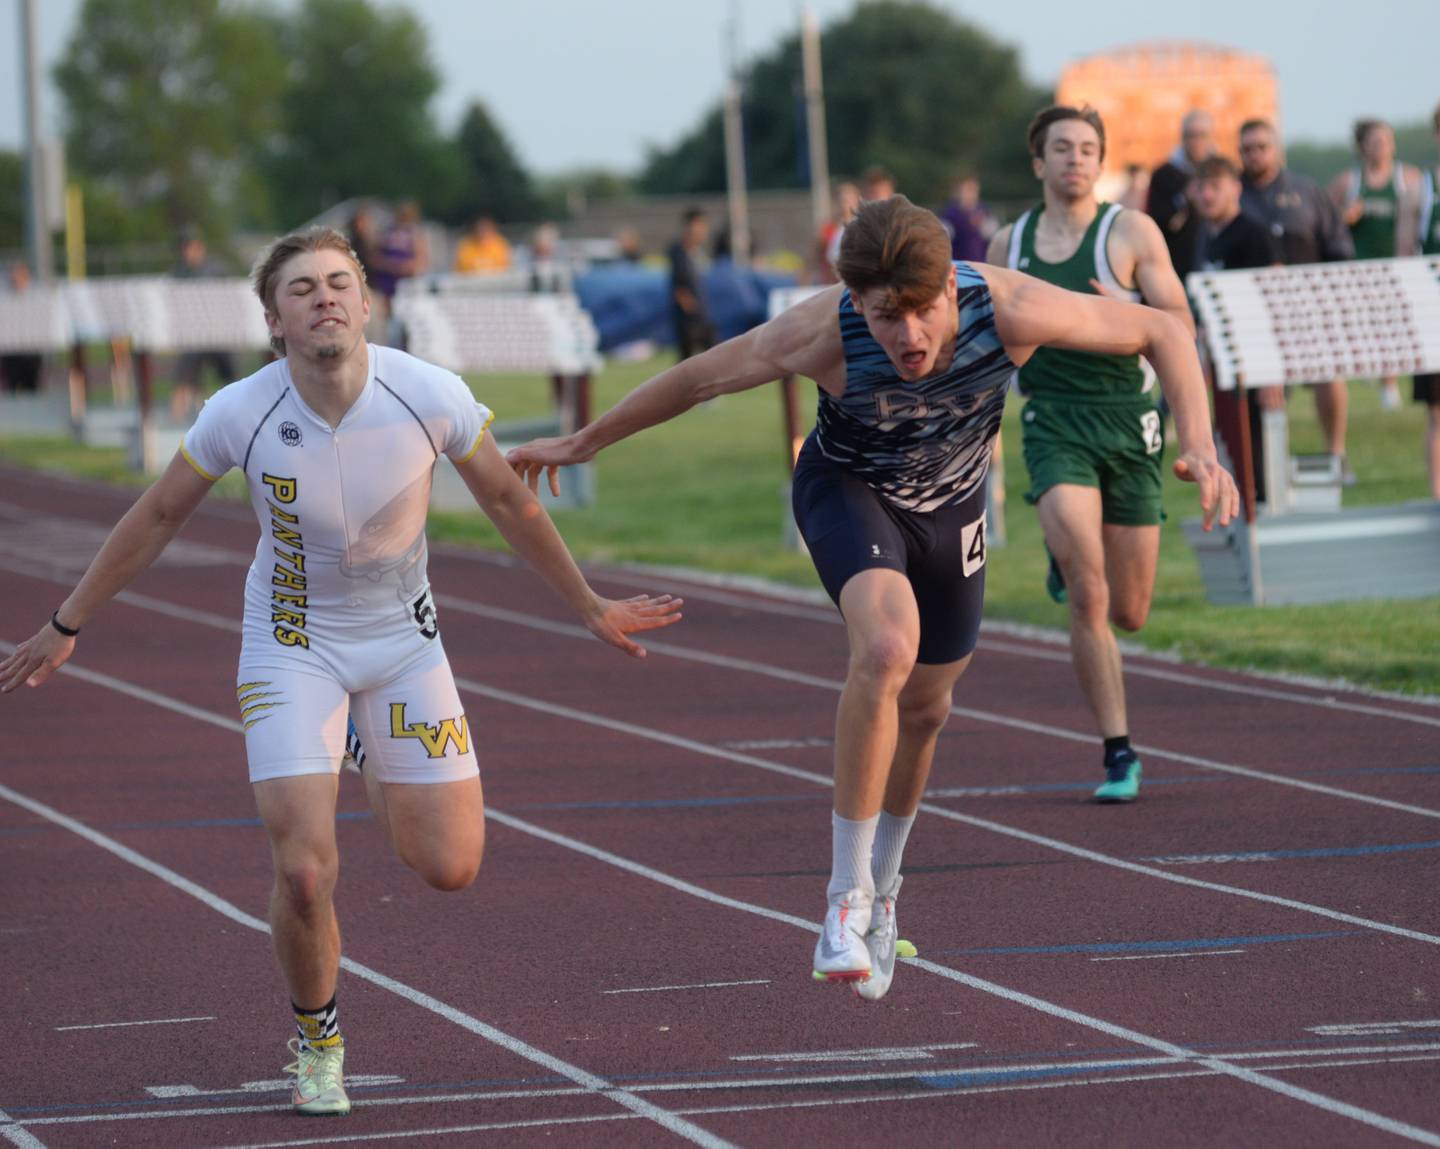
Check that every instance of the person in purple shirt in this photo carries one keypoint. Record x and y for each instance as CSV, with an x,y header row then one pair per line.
x,y
968,221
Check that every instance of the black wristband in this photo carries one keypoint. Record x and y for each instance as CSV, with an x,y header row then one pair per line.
x,y
61,627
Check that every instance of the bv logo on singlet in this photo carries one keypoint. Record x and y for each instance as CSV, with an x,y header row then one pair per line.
x,y
436,739
902,403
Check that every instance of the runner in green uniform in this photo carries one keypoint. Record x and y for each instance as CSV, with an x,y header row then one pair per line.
x,y
1377,201
1092,435
1427,387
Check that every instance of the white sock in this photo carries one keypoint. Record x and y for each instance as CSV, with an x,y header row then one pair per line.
x,y
891,833
850,847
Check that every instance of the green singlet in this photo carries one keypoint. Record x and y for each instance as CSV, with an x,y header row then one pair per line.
x,y
1429,213
1374,232
1090,420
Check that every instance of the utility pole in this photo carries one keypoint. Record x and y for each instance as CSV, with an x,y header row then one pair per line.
x,y
815,117
36,211
736,197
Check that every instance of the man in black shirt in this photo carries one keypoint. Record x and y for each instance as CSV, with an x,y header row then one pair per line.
x,y
1169,203
693,330
1231,240
1308,229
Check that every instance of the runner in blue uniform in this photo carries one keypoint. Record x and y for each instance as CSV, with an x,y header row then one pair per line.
x,y
912,354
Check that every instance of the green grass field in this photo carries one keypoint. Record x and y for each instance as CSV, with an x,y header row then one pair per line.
x,y
705,491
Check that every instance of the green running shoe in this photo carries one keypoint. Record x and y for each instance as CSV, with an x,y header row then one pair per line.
x,y
1122,782
1055,580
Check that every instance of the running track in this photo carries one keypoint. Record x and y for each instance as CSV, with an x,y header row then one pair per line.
x,y
1250,955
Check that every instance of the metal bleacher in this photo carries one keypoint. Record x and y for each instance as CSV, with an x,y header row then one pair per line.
x,y
140,317
1305,324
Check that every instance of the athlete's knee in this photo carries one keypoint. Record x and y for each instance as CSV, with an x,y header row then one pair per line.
x,y
449,869
451,875
1089,596
306,882
884,661
925,717
1129,616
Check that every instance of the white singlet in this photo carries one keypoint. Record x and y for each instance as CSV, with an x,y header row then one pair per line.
x,y
337,601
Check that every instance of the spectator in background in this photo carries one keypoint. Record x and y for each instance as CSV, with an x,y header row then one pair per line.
x,y
364,239
1169,202
484,250
1306,229
20,371
1376,200
548,272
1136,193
404,251
876,182
631,249
1230,240
827,239
1427,230
694,332
968,221
195,263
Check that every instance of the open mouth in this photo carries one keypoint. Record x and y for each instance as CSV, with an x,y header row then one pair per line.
x,y
912,360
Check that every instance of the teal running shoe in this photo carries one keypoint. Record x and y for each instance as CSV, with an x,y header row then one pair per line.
x,y
1122,782
1055,580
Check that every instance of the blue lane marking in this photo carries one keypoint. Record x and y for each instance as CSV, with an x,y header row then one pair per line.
x,y
1002,1076
1268,855
1178,946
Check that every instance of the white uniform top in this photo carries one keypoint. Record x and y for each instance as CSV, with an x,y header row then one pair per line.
x,y
339,574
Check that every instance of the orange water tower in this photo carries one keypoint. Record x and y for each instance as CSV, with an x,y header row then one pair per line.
x,y
1143,91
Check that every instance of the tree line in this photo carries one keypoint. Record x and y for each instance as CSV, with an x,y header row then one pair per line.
x,y
225,116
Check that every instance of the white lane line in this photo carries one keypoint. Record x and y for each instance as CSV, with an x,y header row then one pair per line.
x,y
1017,997
18,1135
1102,1067
704,748
882,1053
790,772
699,985
121,1024
622,1097
440,1131
1186,954
815,607
1371,1028
571,630
668,1119
797,603
749,666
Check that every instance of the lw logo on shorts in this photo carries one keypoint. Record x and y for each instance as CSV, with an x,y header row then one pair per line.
x,y
436,739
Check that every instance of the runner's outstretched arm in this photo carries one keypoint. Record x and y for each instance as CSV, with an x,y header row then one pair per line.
x,y
803,341
518,515
135,542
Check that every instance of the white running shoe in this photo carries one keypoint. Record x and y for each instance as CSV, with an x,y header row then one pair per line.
x,y
840,954
319,1086
880,941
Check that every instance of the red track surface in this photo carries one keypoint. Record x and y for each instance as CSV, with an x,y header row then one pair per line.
x,y
1246,956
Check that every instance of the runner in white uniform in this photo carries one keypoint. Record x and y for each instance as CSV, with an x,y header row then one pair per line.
x,y
337,601
337,441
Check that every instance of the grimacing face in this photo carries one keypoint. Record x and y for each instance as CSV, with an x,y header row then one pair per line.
x,y
1069,163
913,339
320,305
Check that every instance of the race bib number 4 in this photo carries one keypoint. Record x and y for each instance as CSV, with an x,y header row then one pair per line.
x,y
972,546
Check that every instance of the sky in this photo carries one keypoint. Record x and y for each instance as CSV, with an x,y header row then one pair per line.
x,y
578,84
